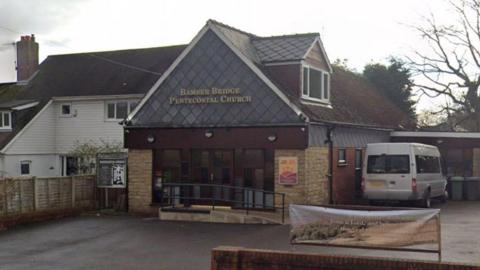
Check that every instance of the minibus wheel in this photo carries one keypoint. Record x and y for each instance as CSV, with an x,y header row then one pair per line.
x,y
426,201
444,197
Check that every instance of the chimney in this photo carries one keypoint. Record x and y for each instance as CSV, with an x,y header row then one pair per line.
x,y
27,57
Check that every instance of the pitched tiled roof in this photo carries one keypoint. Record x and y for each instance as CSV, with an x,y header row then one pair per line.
x,y
101,73
353,99
240,39
9,94
356,101
268,49
85,74
284,48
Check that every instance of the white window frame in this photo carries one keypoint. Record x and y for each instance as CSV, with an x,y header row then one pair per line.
x,y
307,96
29,162
3,127
61,110
342,162
115,118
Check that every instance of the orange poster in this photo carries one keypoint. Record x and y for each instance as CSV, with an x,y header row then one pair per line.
x,y
288,170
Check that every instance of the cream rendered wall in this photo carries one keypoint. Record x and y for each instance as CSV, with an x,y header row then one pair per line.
x,y
87,123
40,166
38,137
51,135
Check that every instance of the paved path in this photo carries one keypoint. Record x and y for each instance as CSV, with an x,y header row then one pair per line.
x,y
123,242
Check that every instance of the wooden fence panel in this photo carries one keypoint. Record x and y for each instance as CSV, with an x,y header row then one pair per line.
x,y
14,202
42,194
28,195
85,192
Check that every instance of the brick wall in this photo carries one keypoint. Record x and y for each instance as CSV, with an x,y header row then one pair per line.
x,y
344,178
476,162
312,187
140,181
234,258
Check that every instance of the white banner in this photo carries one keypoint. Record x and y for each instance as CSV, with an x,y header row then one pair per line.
x,y
382,228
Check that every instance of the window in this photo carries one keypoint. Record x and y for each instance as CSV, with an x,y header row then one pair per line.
x,y
316,84
66,110
25,167
5,122
70,165
118,110
427,164
342,157
388,164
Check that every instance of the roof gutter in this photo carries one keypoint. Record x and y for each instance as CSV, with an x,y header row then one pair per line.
x,y
97,97
329,123
216,126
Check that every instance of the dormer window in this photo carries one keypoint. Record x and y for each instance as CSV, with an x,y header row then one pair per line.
x,y
316,84
5,120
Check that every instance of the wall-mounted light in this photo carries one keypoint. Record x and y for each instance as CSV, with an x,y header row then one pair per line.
x,y
208,134
272,137
439,141
150,139
302,129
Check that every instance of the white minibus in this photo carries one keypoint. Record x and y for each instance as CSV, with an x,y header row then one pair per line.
x,y
403,172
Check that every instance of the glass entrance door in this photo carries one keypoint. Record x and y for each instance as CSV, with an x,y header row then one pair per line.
x,y
212,167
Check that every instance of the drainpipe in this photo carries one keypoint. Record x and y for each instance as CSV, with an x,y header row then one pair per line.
x,y
329,141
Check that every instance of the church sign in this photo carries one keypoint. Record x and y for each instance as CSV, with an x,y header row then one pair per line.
x,y
209,96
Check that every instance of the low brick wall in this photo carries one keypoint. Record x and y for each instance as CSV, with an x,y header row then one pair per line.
x,y
234,258
23,199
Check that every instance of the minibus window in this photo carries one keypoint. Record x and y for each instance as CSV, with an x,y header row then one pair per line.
x,y
427,164
388,164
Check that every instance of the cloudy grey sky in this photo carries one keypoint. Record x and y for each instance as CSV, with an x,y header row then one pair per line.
x,y
360,31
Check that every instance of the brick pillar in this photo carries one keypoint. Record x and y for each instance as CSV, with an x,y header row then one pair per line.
x,y
140,181
294,193
316,170
312,187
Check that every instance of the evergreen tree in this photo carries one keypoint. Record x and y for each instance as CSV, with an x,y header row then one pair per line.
x,y
394,81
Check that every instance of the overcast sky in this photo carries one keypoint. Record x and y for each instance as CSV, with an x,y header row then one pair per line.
x,y
360,31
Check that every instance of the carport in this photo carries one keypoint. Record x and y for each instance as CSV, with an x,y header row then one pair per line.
x,y
460,152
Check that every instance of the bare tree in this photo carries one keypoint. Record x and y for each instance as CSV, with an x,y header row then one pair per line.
x,y
451,68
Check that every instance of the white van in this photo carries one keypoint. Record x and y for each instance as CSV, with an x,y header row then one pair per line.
x,y
403,172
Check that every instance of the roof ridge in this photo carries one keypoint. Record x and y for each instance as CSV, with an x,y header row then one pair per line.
x,y
232,28
120,50
290,35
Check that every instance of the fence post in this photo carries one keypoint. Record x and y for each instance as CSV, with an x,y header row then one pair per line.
x,y
47,193
5,183
34,182
283,208
20,187
73,191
